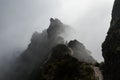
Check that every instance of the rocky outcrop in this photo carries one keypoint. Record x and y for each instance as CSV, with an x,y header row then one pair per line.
x,y
111,46
38,49
38,54
80,52
62,66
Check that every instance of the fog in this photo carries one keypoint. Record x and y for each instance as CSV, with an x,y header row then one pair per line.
x,y
20,18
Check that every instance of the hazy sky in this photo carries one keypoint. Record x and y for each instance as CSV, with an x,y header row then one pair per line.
x,y
20,18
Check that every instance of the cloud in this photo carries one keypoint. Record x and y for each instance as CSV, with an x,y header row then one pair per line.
x,y
20,18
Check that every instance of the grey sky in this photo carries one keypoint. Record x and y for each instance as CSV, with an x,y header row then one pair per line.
x,y
20,18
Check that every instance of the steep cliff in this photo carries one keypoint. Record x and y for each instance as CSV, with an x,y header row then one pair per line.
x,y
111,46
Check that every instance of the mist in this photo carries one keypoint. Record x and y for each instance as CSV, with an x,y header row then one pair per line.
x,y
19,19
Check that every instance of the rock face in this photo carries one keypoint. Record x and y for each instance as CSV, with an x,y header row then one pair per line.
x,y
62,66
111,46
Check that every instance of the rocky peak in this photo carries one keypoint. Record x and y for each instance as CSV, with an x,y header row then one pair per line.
x,y
56,28
80,52
75,44
49,48
55,20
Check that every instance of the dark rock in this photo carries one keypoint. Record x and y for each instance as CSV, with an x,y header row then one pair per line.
x,y
56,28
62,66
111,45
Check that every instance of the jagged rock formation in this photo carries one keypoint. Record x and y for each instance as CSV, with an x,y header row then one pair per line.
x,y
111,46
62,66
38,49
38,54
80,52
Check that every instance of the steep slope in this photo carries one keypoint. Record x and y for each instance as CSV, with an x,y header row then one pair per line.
x,y
111,46
62,66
